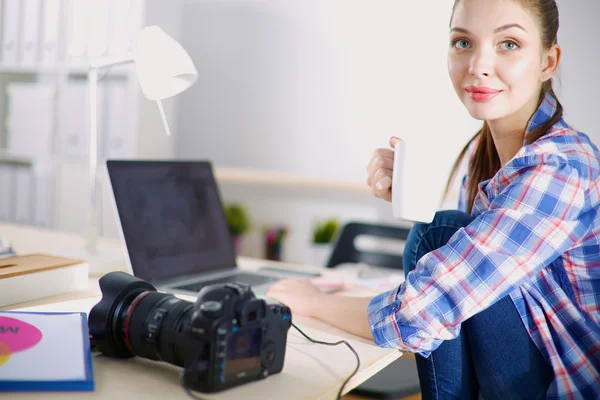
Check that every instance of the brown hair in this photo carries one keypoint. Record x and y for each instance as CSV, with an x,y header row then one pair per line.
x,y
485,161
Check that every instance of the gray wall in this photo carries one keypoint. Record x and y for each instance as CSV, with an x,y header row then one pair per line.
x,y
579,83
312,87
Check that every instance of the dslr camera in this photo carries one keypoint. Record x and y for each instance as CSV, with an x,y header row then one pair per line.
x,y
226,338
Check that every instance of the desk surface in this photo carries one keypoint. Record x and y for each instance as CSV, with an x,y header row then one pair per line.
x,y
310,371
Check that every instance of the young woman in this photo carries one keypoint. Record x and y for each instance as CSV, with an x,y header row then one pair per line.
x,y
502,297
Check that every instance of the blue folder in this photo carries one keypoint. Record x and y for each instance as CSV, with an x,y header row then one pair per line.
x,y
85,384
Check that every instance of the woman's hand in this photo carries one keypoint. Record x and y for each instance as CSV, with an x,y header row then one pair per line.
x,y
379,171
298,294
343,312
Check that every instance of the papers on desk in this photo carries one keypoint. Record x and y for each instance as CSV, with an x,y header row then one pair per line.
x,y
379,284
45,351
367,276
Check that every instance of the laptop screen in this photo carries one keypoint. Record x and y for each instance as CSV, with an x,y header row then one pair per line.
x,y
172,218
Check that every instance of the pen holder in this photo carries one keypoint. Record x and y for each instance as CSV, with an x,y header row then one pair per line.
x,y
273,242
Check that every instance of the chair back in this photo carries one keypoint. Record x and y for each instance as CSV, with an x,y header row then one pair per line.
x,y
345,250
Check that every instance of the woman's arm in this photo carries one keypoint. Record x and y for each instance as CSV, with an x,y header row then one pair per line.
x,y
343,312
347,313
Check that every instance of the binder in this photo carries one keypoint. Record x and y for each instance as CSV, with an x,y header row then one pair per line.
x,y
72,197
49,43
98,33
73,122
23,195
30,33
7,192
73,115
117,142
119,40
11,22
42,194
30,119
135,22
76,37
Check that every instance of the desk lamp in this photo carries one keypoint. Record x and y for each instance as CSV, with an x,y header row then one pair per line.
x,y
164,69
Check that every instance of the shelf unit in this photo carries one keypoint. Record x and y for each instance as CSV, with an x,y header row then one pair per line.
x,y
56,25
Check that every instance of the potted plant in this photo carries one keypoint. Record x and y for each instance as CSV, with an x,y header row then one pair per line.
x,y
323,235
238,223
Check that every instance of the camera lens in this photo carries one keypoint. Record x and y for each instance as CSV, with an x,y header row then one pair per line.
x,y
133,319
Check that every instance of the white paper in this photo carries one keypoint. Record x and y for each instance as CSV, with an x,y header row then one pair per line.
x,y
58,356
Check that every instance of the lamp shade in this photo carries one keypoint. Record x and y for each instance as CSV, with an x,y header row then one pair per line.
x,y
164,69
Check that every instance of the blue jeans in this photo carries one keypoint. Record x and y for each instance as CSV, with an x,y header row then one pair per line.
x,y
493,354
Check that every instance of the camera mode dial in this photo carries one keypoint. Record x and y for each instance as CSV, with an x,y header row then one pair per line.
x,y
212,309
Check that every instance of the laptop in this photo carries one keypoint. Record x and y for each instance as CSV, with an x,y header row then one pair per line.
x,y
173,223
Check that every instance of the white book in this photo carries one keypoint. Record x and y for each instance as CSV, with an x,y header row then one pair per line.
x,y
73,122
7,192
49,41
30,43
119,25
11,21
98,28
23,192
35,276
117,141
30,119
77,32
42,194
72,197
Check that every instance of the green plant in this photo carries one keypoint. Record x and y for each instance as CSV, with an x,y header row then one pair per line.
x,y
237,218
325,231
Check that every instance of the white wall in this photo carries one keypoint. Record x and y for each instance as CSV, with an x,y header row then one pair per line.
x,y
312,87
579,83
306,88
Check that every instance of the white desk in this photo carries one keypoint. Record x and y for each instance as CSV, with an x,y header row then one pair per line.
x,y
310,371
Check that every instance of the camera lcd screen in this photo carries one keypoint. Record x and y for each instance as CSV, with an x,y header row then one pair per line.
x,y
243,353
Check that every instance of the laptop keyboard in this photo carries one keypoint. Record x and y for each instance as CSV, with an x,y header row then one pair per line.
x,y
249,279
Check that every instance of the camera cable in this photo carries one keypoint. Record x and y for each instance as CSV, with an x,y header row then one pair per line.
x,y
339,395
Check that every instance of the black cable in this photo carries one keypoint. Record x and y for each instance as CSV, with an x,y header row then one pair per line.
x,y
188,391
339,396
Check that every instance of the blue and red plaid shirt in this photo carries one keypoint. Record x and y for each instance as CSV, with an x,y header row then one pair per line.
x,y
535,238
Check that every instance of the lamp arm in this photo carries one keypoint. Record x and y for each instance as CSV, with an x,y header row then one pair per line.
x,y
110,61
163,117
95,65
92,233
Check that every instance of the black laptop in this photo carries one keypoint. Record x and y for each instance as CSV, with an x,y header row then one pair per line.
x,y
174,226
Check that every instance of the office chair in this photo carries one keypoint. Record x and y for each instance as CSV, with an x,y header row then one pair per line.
x,y
400,378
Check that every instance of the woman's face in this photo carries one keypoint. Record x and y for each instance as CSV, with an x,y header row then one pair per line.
x,y
495,57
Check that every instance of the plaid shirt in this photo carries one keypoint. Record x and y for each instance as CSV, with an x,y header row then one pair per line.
x,y
536,238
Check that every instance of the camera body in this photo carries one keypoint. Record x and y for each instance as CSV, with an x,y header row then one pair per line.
x,y
245,338
226,338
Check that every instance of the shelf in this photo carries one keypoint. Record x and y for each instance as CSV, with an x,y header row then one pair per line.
x,y
243,176
280,179
64,70
8,158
